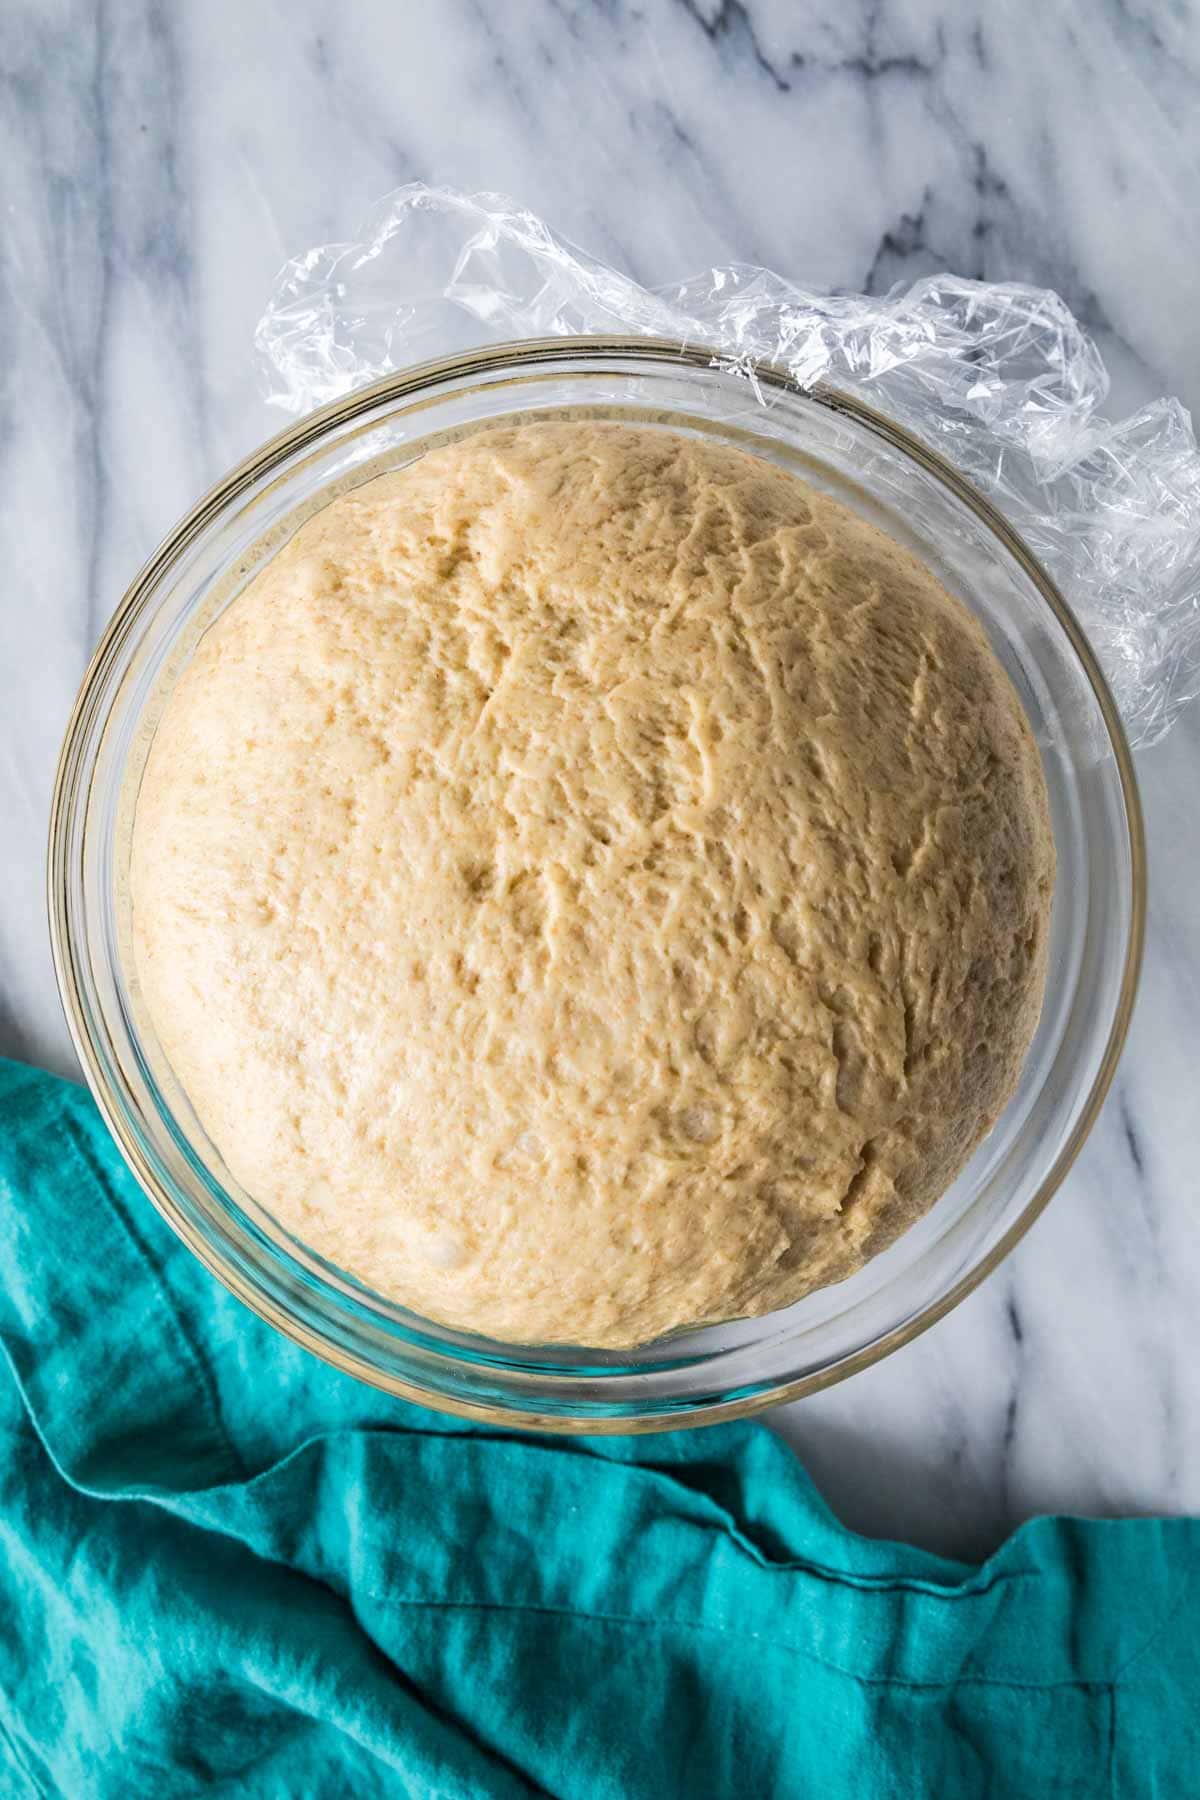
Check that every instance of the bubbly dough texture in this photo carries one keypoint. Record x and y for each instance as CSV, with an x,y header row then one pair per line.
x,y
591,883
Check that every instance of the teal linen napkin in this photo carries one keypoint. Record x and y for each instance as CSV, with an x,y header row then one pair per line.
x,y
225,1569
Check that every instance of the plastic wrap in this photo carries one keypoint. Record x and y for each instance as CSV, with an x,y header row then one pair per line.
x,y
1000,378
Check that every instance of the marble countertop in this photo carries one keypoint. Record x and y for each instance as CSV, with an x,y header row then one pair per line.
x,y
161,162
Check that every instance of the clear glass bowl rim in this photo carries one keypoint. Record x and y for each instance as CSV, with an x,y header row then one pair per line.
x,y
68,797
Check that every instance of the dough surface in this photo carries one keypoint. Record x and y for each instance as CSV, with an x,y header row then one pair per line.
x,y
591,883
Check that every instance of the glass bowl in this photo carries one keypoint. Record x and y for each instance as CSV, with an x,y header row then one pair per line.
x,y
1095,942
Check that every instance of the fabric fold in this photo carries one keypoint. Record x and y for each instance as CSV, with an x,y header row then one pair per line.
x,y
224,1567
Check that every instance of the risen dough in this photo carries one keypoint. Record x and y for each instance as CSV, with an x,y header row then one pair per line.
x,y
591,883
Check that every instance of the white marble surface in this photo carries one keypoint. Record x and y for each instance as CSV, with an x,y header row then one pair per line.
x,y
159,162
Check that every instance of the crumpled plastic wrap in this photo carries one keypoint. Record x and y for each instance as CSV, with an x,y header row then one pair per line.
x,y
1000,378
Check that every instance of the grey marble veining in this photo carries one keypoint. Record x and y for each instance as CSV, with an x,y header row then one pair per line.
x,y
160,161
